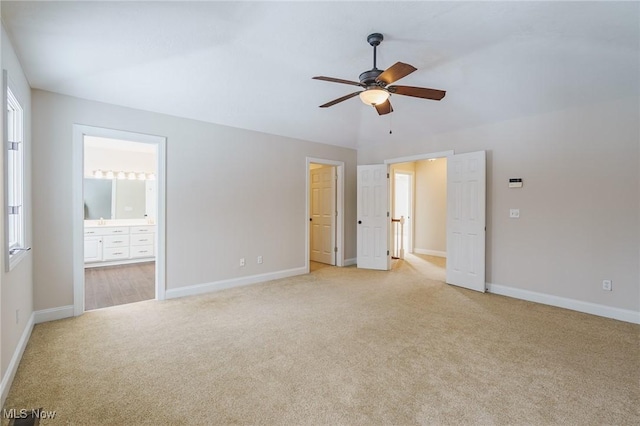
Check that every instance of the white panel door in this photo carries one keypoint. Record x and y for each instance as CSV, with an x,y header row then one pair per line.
x,y
466,186
373,220
323,215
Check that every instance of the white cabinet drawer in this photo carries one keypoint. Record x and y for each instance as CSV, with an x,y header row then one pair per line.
x,y
143,229
142,239
113,253
110,230
115,240
141,251
89,232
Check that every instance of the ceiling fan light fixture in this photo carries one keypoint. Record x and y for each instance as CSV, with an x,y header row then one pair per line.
x,y
374,96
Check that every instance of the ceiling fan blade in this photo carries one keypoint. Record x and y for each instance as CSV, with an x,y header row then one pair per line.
x,y
417,92
337,80
336,101
384,108
395,72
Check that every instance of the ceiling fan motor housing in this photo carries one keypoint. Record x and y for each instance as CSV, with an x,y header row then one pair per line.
x,y
368,78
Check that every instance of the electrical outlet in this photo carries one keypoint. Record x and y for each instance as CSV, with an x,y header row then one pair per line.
x,y
242,261
606,285
259,259
514,213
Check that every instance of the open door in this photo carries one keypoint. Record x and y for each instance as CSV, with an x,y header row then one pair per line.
x,y
323,215
466,188
373,217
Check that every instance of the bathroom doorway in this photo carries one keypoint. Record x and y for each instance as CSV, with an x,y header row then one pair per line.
x,y
120,200
118,218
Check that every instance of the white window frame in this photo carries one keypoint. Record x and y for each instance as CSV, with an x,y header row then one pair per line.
x,y
13,137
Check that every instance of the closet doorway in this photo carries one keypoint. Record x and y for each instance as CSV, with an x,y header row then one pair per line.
x,y
322,218
118,218
325,213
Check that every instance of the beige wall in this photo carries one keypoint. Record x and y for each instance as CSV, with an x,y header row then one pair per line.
x,y
579,207
431,207
117,160
17,285
231,193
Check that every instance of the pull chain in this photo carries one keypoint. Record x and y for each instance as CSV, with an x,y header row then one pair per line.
x,y
390,124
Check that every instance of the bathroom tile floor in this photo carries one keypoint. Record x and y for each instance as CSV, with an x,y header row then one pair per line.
x,y
117,285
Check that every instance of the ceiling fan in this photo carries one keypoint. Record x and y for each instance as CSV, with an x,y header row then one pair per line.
x,y
376,82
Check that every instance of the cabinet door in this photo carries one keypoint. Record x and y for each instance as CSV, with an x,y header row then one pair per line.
x,y
93,249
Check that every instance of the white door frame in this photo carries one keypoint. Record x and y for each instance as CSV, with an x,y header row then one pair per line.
x,y
79,132
324,213
339,165
412,204
419,157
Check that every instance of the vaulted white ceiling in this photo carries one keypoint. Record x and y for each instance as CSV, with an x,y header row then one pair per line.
x,y
249,64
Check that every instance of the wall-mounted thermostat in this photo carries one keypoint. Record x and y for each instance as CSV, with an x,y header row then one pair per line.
x,y
515,183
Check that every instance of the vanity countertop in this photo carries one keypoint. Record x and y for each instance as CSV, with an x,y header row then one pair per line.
x,y
123,222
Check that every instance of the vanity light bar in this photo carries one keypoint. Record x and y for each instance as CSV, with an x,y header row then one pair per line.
x,y
110,174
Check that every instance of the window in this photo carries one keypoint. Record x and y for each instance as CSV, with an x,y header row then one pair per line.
x,y
14,181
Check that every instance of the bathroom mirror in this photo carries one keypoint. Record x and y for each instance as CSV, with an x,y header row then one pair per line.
x,y
115,199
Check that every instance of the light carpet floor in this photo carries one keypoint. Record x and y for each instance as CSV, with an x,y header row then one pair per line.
x,y
339,346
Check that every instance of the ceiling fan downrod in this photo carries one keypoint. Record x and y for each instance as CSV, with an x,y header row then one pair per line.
x,y
374,40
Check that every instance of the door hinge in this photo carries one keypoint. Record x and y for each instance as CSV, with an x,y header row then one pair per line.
x,y
13,209
387,175
13,146
387,252
387,214
335,249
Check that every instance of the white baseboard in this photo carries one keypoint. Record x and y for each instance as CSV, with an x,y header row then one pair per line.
x,y
193,290
563,302
7,379
349,262
428,252
53,314
118,262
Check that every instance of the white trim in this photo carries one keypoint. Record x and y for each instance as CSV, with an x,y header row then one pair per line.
x,y
9,375
339,165
53,314
119,262
193,290
350,262
428,252
412,206
11,261
563,302
419,157
79,131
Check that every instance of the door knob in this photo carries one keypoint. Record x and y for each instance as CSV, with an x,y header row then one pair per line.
x,y
310,219
359,222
